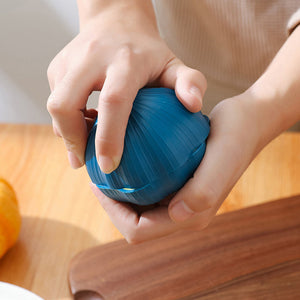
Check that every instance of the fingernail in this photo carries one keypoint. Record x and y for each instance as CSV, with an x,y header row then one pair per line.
x,y
196,92
108,164
74,160
181,212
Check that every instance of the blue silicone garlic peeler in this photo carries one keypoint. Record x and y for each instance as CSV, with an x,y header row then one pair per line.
x,y
164,144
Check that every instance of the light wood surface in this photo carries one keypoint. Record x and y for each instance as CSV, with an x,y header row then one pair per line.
x,y
61,216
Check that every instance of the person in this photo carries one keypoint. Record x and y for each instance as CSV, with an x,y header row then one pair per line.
x,y
121,48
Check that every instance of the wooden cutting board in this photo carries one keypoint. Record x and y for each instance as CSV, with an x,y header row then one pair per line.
x,y
253,253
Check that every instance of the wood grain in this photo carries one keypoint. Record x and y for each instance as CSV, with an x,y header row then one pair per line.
x,y
61,216
231,256
279,282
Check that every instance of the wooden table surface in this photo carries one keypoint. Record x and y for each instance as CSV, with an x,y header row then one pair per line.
x,y
61,216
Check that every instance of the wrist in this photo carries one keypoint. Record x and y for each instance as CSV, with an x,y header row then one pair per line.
x,y
270,109
141,13
277,91
278,104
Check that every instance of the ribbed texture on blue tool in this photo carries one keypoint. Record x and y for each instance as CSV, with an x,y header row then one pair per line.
x,y
164,144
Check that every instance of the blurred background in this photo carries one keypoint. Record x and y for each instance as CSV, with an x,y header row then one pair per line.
x,y
32,32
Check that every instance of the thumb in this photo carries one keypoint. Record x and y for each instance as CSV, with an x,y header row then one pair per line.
x,y
221,167
189,84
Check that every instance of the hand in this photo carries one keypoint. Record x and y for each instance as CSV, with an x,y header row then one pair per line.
x,y
117,51
240,128
234,141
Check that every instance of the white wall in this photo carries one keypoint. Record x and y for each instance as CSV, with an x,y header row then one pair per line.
x,y
31,34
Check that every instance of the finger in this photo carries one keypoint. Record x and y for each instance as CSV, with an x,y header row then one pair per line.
x,y
189,84
90,113
55,130
115,103
66,106
151,224
90,117
56,70
212,181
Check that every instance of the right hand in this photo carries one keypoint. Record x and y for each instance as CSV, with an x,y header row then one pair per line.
x,y
118,51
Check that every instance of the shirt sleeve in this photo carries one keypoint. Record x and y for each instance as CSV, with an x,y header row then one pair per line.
x,y
293,22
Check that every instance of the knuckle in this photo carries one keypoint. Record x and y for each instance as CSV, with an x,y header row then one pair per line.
x,y
113,97
59,102
52,105
55,107
126,51
130,57
106,146
91,48
87,52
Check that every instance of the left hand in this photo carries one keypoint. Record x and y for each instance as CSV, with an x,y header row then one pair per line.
x,y
234,141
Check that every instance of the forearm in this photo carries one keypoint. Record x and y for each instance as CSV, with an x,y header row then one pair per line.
x,y
277,92
140,11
